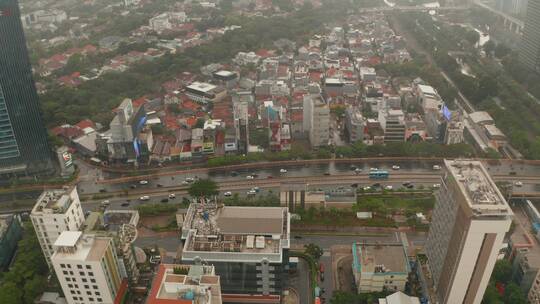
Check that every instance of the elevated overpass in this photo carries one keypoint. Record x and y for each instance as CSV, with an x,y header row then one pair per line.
x,y
510,22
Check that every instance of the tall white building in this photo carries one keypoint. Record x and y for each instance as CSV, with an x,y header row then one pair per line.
x,y
87,268
56,211
468,226
317,120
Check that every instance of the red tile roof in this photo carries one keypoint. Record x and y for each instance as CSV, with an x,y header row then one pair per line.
x,y
139,102
86,123
156,284
188,104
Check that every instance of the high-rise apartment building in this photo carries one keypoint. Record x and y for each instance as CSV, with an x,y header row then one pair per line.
x,y
23,137
87,268
317,120
56,211
529,54
468,226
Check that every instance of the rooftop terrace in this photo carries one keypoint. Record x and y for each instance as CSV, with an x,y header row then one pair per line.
x,y
480,192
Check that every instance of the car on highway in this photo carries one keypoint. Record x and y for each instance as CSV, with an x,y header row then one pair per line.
x,y
321,276
227,194
436,186
388,187
250,177
143,182
126,204
396,167
102,190
159,185
133,186
374,169
172,196
376,185
164,200
251,192
185,183
190,180
355,185
436,167
105,203
298,237
367,188
256,189
327,173
518,184
234,173
282,171
144,198
357,170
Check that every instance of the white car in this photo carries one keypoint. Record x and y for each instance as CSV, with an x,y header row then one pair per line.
x,y
518,184
227,194
105,203
436,186
251,192
250,177
172,195
144,198
395,167
436,167
143,182
190,179
388,187
357,170
283,171
366,188
374,169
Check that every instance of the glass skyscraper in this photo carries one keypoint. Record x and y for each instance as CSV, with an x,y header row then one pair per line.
x,y
23,137
529,54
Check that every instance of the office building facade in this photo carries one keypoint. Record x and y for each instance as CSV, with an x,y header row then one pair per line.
x,y
529,54
23,138
56,211
248,246
469,223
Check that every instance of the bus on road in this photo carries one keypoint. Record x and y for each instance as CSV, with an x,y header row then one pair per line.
x,y
378,174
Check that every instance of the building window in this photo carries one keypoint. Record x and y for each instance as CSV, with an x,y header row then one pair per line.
x,y
65,272
86,286
72,291
70,285
98,293
93,280
81,273
88,267
68,279
78,292
84,280
69,266
91,274
89,293
99,300
79,266
62,265
94,286
91,299
71,272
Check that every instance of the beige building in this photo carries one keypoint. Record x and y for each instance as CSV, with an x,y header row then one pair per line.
x,y
317,120
380,267
180,284
87,268
56,211
469,223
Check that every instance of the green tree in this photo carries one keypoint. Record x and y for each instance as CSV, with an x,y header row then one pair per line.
x,y
203,188
502,272
492,296
501,50
33,288
10,293
313,250
489,47
513,294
